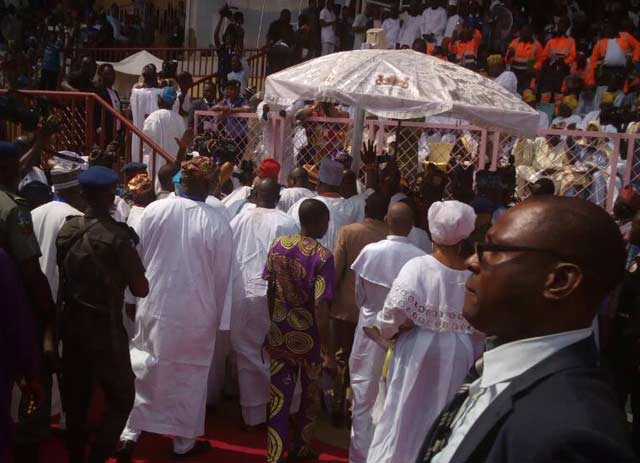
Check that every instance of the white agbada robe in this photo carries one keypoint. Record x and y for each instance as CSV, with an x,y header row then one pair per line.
x,y
429,361
163,127
239,193
143,101
411,30
341,212
120,210
217,204
290,196
187,250
434,21
420,238
391,29
373,282
253,234
48,219
133,220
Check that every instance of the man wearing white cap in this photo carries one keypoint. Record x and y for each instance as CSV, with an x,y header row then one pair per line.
x,y
373,282
49,218
436,347
342,211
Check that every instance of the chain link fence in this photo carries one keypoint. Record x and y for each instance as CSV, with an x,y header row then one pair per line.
x,y
454,160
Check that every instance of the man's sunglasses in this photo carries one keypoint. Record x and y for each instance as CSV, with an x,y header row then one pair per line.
x,y
481,248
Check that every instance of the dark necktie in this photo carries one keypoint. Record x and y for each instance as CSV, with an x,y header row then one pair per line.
x,y
441,431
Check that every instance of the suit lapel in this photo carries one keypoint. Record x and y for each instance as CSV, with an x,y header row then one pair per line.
x,y
580,354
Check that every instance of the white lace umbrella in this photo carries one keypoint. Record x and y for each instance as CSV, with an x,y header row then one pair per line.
x,y
402,84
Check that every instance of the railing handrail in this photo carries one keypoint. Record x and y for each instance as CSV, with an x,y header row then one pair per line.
x,y
262,52
123,120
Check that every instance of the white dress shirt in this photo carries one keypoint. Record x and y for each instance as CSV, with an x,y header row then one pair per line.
x,y
434,21
500,366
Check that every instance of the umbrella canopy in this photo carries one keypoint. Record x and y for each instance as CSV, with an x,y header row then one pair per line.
x,y
402,84
133,64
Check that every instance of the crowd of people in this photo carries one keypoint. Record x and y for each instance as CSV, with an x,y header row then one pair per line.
x,y
321,293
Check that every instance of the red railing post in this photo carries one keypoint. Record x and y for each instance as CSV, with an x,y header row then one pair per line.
x,y
89,128
613,171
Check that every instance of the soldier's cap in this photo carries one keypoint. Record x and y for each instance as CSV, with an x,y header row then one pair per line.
x,y
98,177
133,167
8,150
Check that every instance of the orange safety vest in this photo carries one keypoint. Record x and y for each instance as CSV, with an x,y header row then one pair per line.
x,y
526,55
599,53
431,50
635,45
563,47
466,53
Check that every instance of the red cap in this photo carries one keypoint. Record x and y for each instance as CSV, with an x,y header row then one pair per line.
x,y
270,168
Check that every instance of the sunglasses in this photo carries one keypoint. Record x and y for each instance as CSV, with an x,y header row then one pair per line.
x,y
481,248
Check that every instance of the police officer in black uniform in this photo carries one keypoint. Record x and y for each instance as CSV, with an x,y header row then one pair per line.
x,y
98,260
18,240
623,351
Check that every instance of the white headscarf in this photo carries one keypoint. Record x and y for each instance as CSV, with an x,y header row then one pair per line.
x,y
450,222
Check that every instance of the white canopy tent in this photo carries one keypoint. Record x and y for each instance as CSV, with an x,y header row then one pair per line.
x,y
401,84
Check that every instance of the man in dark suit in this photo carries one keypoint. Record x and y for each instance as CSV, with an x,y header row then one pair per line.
x,y
539,396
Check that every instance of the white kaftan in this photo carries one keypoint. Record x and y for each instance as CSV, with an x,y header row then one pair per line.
x,y
434,21
143,101
391,31
120,210
341,212
219,206
253,233
163,127
429,361
187,249
48,219
420,238
373,282
289,196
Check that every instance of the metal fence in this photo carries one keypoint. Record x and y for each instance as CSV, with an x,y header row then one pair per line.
x,y
592,165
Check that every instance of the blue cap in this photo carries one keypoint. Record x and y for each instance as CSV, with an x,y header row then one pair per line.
x,y
99,177
133,167
168,95
8,150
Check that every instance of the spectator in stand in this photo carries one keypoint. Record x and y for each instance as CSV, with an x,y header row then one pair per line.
x,y
281,30
81,80
233,103
434,22
610,59
559,56
232,38
496,70
392,26
50,72
238,72
185,82
206,103
454,20
328,37
525,56
465,49
411,28
361,24
304,40
113,17
312,15
104,89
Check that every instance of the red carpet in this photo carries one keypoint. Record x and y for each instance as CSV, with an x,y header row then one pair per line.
x,y
230,445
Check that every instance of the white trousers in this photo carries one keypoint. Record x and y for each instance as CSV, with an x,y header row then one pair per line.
x,y
327,48
249,327
365,367
215,384
181,445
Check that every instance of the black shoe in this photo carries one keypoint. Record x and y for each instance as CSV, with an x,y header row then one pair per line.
x,y
124,451
198,449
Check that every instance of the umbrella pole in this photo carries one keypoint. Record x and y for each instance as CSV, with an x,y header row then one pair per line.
x,y
356,139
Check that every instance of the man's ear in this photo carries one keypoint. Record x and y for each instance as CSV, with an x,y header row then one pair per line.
x,y
562,281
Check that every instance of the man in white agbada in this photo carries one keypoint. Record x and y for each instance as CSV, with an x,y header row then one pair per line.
x,y
297,188
342,211
187,249
373,282
253,233
391,27
434,21
49,218
267,145
165,127
143,101
436,346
